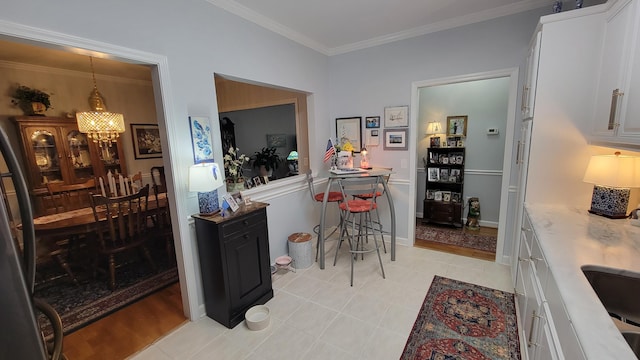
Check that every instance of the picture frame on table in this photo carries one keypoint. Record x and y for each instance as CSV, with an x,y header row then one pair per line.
x,y
396,116
395,139
457,125
349,129
146,141
201,139
452,142
256,181
233,205
372,122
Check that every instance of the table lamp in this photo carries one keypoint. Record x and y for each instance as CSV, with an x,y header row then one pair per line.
x,y
364,159
433,129
612,176
205,178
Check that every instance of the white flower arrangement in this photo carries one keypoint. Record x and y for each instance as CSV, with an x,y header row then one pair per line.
x,y
233,165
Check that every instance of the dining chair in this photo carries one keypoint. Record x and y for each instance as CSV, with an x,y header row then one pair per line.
x,y
162,221
121,227
334,197
359,214
379,192
68,197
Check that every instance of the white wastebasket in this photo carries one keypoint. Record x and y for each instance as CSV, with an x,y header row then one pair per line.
x,y
300,250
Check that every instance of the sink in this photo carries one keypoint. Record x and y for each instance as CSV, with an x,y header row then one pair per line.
x,y
633,339
618,290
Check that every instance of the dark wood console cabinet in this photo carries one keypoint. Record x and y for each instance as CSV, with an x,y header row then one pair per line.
x,y
234,262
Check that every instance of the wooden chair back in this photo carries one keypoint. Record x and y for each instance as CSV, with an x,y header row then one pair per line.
x,y
158,179
67,197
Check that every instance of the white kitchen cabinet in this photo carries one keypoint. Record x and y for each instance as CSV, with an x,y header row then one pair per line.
x,y
545,327
528,99
617,102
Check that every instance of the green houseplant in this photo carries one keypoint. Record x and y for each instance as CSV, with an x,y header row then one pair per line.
x,y
29,100
266,160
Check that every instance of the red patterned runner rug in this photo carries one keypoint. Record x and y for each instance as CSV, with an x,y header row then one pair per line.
x,y
462,321
456,237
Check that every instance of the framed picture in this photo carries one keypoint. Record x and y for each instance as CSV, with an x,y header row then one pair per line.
x,y
371,122
437,196
434,142
396,116
452,142
233,205
348,129
248,183
444,174
276,140
430,194
455,174
457,125
446,196
433,174
257,180
395,139
146,141
455,197
201,139
460,159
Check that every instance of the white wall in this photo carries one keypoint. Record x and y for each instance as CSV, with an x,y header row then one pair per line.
x,y
485,103
362,84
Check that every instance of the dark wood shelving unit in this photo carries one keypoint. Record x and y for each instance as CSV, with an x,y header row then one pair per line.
x,y
444,196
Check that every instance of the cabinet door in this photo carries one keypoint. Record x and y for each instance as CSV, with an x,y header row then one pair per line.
x,y
110,158
544,342
612,65
80,166
247,257
44,147
629,119
531,78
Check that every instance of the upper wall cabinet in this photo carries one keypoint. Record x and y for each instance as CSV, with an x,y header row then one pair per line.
x,y
617,104
531,77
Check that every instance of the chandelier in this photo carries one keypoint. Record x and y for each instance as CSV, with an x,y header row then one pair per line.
x,y
100,125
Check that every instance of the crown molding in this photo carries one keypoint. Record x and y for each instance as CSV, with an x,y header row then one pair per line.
x,y
267,23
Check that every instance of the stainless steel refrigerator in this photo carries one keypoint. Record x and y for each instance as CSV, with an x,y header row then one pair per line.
x,y
21,336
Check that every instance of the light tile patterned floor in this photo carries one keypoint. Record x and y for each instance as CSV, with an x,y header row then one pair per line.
x,y
315,314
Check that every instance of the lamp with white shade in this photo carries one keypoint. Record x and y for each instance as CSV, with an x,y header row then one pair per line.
x,y
205,178
433,129
613,177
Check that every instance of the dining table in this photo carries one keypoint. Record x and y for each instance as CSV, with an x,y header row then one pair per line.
x,y
80,221
335,175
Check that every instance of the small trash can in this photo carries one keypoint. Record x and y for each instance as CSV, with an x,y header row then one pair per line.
x,y
300,250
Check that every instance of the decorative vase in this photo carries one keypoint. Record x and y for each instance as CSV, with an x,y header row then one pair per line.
x,y
38,108
233,187
345,160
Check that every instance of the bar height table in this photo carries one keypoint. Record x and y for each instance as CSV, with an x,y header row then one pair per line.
x,y
379,172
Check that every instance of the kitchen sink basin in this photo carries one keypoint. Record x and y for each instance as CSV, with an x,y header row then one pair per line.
x,y
633,339
618,290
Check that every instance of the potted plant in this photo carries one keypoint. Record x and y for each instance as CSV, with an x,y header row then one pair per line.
x,y
31,101
266,160
233,162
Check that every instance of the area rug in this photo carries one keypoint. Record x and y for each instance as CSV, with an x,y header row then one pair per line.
x,y
80,305
464,321
456,237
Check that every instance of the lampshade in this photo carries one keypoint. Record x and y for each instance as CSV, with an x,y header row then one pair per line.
x,y
293,155
99,124
205,177
434,128
613,171
612,176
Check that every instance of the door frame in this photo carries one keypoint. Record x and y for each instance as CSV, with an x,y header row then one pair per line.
x,y
512,74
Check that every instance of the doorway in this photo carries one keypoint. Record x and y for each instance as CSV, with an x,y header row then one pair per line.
x,y
497,176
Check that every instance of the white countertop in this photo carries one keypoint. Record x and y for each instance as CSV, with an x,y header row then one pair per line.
x,y
570,238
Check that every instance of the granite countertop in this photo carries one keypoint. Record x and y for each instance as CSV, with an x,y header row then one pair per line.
x,y
571,238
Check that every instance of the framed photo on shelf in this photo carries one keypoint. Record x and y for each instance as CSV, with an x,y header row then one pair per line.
x,y
146,141
233,205
455,173
372,122
348,129
433,174
256,181
444,174
452,142
459,159
434,142
396,116
446,196
437,196
430,194
395,139
455,197
457,125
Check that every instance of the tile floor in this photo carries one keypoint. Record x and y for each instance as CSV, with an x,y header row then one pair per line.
x,y
315,314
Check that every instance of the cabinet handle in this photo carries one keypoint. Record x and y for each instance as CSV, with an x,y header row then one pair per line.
x,y
523,259
530,342
536,259
525,229
518,154
523,104
614,108
246,222
516,293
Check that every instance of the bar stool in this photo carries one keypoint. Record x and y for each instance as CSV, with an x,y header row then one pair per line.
x,y
363,210
379,192
334,197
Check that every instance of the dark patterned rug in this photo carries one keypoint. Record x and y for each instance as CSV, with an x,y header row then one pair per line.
x,y
457,237
80,305
464,321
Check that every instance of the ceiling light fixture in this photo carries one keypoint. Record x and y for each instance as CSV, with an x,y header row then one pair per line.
x,y
100,125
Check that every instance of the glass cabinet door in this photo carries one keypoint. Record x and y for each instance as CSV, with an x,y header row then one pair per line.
x,y
110,156
79,156
46,155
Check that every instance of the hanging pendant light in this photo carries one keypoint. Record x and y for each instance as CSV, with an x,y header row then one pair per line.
x,y
100,125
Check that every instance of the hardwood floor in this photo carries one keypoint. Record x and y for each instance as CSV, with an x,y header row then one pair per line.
x,y
128,330
459,250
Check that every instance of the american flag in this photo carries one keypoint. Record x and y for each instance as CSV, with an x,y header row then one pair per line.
x,y
329,151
